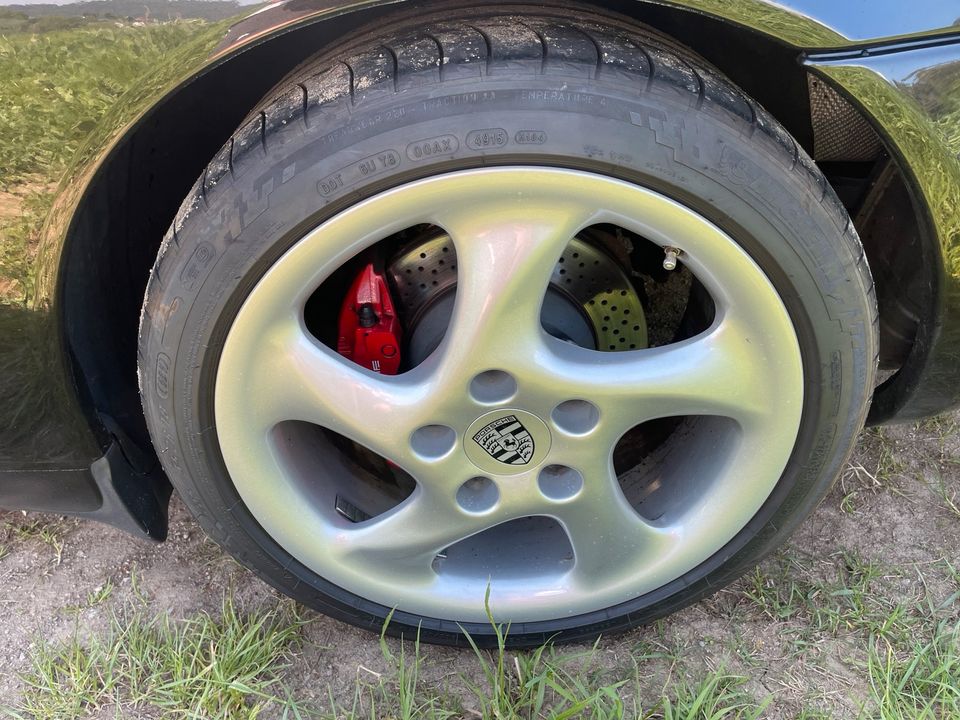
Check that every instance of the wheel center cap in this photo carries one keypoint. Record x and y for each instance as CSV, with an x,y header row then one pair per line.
x,y
507,441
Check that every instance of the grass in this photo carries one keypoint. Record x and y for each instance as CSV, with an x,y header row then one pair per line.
x,y
877,470
204,666
63,82
912,656
717,696
851,599
949,496
539,680
231,665
100,594
47,533
921,680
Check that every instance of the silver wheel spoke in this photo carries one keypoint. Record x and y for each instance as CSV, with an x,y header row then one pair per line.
x,y
507,249
294,377
609,539
716,373
404,542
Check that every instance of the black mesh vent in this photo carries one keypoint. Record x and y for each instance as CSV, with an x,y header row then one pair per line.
x,y
840,133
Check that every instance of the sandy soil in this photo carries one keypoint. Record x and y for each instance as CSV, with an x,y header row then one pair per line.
x,y
888,510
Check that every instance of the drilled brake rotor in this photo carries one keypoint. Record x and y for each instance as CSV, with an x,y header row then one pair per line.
x,y
586,276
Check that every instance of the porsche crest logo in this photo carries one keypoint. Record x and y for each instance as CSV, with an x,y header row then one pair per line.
x,y
506,440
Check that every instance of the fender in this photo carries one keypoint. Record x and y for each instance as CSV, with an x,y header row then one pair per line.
x,y
908,91
68,391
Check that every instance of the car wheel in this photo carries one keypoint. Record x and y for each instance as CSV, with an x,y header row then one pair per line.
x,y
524,307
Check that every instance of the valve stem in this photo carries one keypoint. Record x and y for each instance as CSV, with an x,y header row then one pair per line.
x,y
670,257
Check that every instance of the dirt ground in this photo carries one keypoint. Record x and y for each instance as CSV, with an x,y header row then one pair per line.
x,y
886,537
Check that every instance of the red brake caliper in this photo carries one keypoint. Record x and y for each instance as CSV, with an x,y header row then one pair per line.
x,y
369,328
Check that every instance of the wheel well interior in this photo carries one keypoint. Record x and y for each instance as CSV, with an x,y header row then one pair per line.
x,y
134,196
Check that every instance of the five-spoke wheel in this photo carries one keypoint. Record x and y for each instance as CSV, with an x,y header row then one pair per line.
x,y
503,421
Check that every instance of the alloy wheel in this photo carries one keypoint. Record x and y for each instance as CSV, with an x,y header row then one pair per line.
x,y
508,432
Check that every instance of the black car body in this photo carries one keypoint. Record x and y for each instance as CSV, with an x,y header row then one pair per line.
x,y
870,88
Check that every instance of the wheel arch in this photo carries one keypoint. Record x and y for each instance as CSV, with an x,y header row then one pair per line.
x,y
118,211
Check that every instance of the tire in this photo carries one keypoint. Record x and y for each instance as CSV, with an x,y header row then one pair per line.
x,y
578,101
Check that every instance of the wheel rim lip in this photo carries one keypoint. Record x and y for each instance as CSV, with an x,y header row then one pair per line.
x,y
512,600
